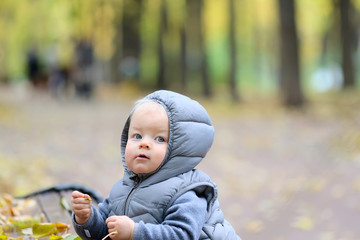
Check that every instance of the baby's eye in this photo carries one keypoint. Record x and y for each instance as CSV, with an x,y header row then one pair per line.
x,y
137,136
160,139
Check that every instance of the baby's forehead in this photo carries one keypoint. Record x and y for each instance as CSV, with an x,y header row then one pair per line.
x,y
149,112
148,106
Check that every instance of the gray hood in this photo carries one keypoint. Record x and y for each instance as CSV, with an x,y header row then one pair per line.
x,y
190,138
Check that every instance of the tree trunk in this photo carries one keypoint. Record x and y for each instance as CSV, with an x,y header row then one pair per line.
x,y
183,58
347,44
116,58
131,37
289,63
196,45
161,54
204,63
233,52
204,68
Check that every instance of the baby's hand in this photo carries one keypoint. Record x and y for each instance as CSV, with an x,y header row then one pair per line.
x,y
81,206
123,225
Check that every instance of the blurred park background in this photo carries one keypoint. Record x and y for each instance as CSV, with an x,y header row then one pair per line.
x,y
280,79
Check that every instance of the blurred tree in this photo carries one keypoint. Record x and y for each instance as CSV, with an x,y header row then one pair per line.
x,y
131,37
289,62
161,84
183,57
183,46
115,71
347,42
204,60
196,47
233,52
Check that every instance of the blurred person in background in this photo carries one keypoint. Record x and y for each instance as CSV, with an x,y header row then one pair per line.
x,y
84,69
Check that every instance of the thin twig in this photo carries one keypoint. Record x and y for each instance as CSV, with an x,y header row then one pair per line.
x,y
112,233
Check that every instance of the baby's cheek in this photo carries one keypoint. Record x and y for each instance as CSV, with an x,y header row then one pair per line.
x,y
128,156
127,152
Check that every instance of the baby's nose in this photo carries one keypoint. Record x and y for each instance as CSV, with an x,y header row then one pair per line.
x,y
144,144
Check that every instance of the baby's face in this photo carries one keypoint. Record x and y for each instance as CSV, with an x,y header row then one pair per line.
x,y
148,138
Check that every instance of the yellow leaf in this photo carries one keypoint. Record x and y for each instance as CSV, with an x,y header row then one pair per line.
x,y
22,222
73,237
61,227
317,185
55,237
254,226
303,223
338,191
43,229
356,185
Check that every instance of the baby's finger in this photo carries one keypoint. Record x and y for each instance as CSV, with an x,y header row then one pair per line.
x,y
80,201
110,219
80,206
77,194
82,211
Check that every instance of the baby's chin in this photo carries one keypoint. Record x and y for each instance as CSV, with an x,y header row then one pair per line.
x,y
141,171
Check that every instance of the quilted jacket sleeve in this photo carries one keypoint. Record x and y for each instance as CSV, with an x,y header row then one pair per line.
x,y
95,227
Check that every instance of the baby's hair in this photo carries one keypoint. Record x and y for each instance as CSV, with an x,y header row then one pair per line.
x,y
141,102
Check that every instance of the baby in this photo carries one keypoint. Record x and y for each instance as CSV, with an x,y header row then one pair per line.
x,y
162,195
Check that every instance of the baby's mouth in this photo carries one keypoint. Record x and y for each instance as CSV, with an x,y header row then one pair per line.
x,y
142,156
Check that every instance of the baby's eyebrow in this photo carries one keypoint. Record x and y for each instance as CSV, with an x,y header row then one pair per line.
x,y
136,128
163,129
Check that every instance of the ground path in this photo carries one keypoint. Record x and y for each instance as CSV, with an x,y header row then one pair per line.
x,y
282,175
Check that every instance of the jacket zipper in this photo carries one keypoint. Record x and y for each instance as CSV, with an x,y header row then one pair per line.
x,y
137,181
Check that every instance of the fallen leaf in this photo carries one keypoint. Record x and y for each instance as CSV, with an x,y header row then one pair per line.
x,y
55,237
338,191
65,204
3,237
21,222
317,185
60,227
43,229
303,223
73,237
356,185
254,226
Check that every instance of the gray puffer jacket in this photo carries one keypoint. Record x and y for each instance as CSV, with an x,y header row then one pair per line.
x,y
176,201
